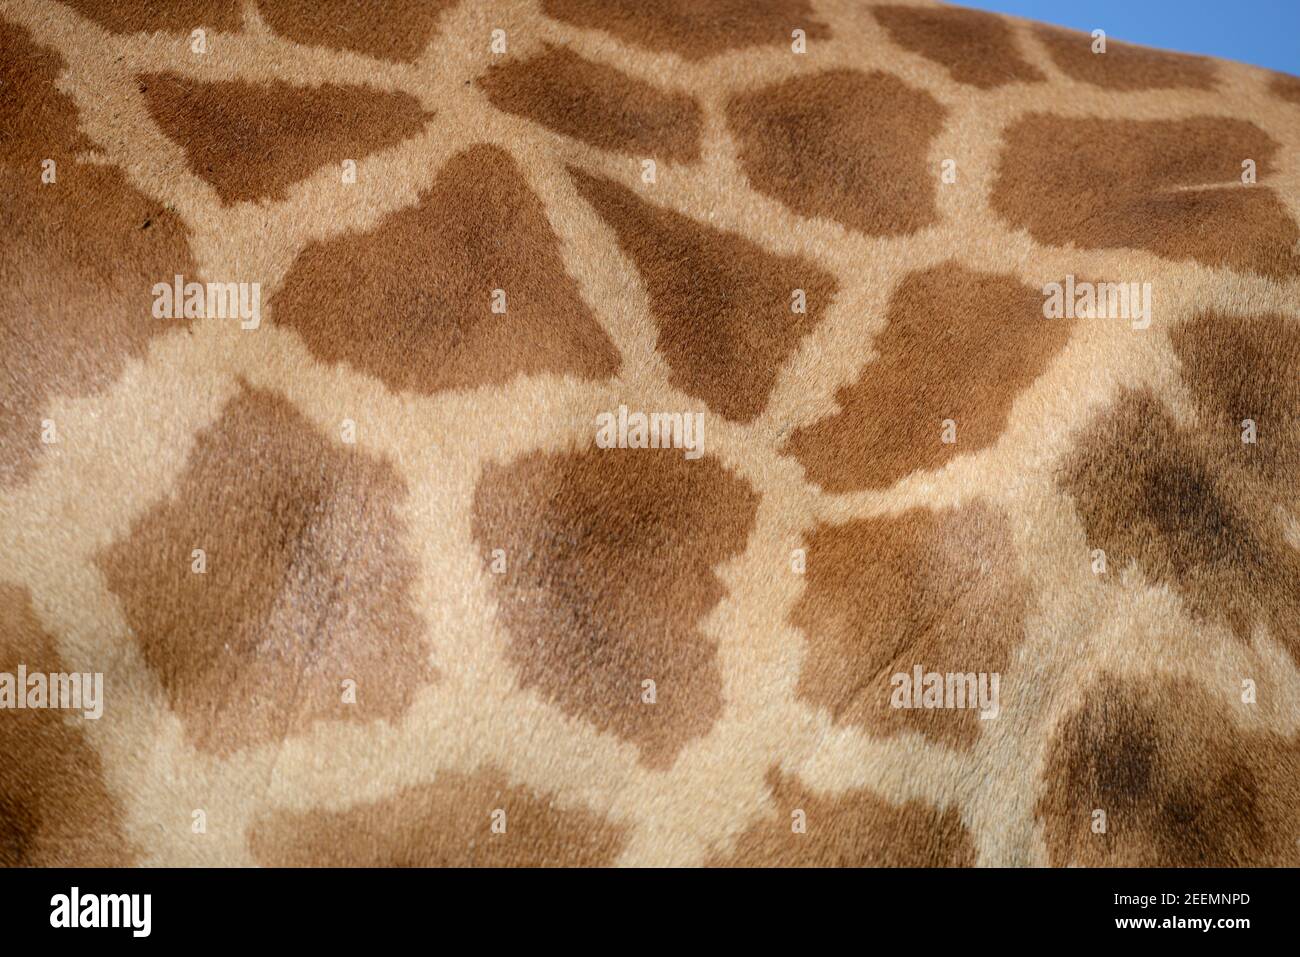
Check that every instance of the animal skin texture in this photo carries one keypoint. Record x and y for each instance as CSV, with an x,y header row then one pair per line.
x,y
700,432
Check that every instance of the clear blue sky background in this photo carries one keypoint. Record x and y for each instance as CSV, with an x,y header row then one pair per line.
x,y
1263,32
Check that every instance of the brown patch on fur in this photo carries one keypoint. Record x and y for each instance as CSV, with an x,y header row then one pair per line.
x,y
610,558
307,583
1195,508
55,810
1174,504
722,304
979,49
597,104
1172,187
148,16
254,141
1247,368
75,302
844,145
410,301
1181,785
400,31
959,345
1285,86
1124,66
853,829
693,29
444,824
935,589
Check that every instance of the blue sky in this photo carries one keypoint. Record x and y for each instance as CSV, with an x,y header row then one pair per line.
x,y
1263,32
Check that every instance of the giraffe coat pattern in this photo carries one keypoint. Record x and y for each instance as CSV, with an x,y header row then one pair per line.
x,y
364,588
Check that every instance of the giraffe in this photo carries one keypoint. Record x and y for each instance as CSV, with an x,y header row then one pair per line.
x,y
365,590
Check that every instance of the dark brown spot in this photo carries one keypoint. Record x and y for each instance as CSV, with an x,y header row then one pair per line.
x,y
394,31
147,16
1285,86
843,145
693,29
854,829
979,49
884,595
1247,368
444,824
722,304
75,301
307,583
1174,503
597,104
411,301
254,141
1172,187
1180,785
960,346
610,571
1124,66
55,810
